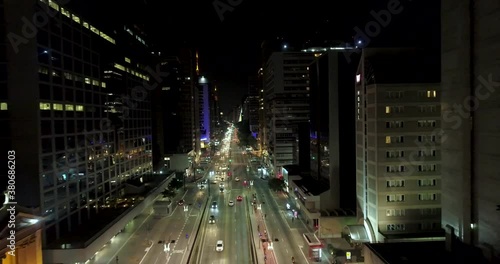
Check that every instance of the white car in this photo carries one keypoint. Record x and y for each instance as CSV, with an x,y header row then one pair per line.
x,y
220,246
231,203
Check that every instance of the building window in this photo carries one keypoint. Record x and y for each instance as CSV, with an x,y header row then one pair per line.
x,y
431,94
427,138
429,211
394,124
427,167
396,198
3,106
396,183
58,107
395,168
70,107
427,182
396,227
429,226
394,94
426,123
427,196
394,109
428,108
395,212
427,153
395,154
45,106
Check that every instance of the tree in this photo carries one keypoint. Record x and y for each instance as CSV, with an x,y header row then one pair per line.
x,y
168,193
245,135
175,184
276,184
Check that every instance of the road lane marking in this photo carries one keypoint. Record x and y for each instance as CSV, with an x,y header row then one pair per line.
x,y
131,235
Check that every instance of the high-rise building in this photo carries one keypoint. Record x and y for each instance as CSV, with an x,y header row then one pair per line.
x,y
262,113
204,96
189,100
333,159
168,112
398,155
252,104
286,97
72,115
470,106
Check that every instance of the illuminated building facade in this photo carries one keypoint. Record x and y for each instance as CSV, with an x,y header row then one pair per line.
x,y
204,95
398,152
286,96
77,125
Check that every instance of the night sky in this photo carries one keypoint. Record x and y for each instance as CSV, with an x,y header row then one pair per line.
x,y
230,49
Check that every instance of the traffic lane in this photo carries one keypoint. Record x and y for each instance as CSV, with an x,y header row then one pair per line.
x,y
183,236
132,247
288,246
180,223
240,250
215,232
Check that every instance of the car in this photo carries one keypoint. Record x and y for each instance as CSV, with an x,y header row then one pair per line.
x,y
219,246
221,185
181,202
239,198
221,190
237,179
211,220
231,203
214,205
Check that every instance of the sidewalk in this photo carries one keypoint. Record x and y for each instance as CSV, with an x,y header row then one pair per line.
x,y
297,226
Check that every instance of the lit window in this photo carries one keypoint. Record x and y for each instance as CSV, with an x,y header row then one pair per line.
x,y
119,67
103,84
44,106
58,107
93,29
387,109
65,12
95,82
79,108
70,107
53,5
3,106
127,59
431,94
76,19
85,24
358,79
43,70
388,140
87,80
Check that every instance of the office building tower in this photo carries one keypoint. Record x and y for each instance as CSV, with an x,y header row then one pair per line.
x,y
252,104
470,105
398,155
168,112
70,115
286,97
332,157
189,101
204,95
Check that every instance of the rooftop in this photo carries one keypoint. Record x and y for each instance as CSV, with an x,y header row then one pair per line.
x,y
105,216
423,252
311,186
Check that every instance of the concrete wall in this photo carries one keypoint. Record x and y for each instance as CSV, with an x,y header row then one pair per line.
x,y
332,226
63,256
470,167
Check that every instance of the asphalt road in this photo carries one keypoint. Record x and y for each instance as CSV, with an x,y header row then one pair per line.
x,y
231,222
